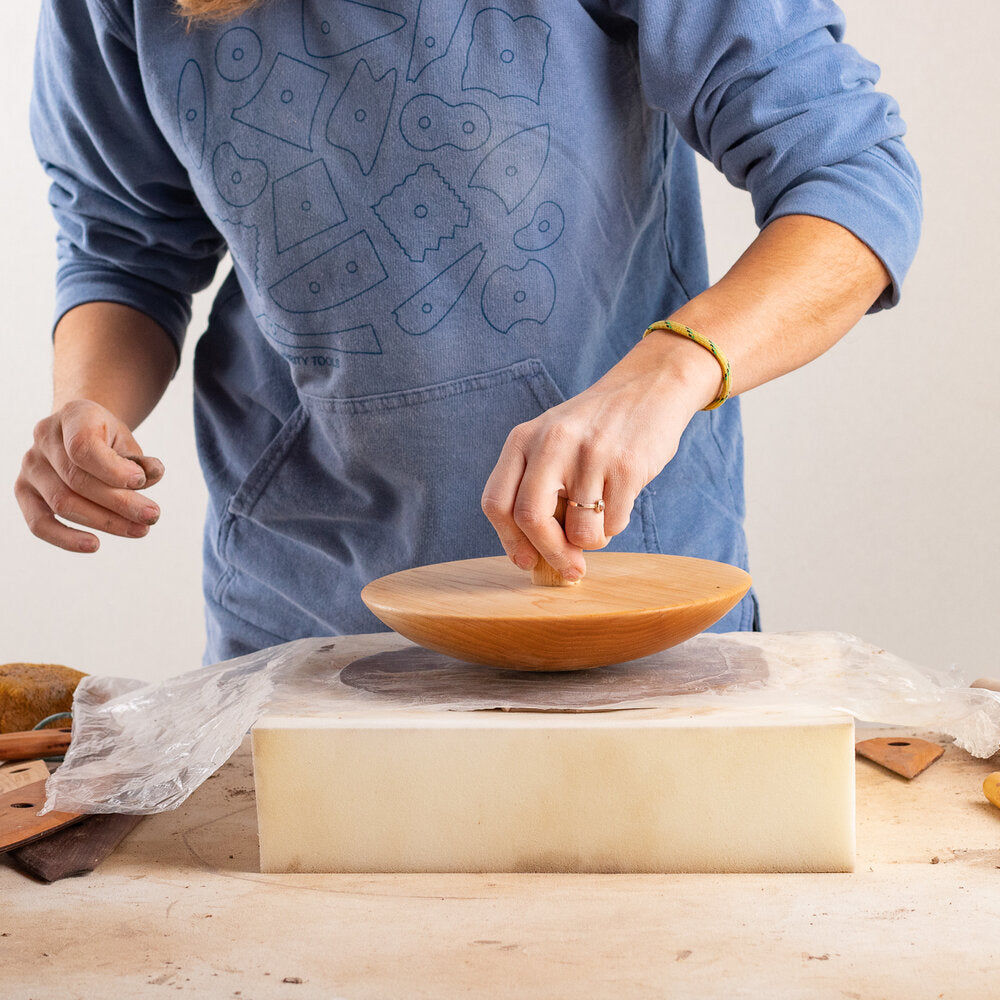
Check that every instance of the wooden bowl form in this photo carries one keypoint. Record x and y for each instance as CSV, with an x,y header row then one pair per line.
x,y
488,611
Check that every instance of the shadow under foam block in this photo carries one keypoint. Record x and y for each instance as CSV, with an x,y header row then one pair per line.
x,y
768,790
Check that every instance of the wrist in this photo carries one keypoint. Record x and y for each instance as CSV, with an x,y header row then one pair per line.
x,y
112,355
691,370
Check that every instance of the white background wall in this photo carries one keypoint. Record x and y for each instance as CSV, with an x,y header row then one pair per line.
x,y
871,475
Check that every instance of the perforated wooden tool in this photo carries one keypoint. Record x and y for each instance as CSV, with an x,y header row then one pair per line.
x,y
488,611
904,755
19,820
18,773
70,846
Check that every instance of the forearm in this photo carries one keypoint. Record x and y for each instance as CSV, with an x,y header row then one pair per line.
x,y
113,355
800,286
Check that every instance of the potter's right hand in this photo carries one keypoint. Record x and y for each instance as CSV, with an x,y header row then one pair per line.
x,y
86,468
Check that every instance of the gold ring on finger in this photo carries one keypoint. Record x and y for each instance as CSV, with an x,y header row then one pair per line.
x,y
597,505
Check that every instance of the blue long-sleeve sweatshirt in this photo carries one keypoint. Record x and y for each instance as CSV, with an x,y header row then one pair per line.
x,y
444,216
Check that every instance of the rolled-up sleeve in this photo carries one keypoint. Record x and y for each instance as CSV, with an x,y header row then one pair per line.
x,y
130,229
771,94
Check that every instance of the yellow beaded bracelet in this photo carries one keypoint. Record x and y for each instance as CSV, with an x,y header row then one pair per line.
x,y
669,325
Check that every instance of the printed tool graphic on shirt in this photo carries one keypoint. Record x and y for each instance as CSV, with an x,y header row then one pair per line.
x,y
384,177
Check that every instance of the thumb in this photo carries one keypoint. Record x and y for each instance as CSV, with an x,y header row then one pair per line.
x,y
97,442
152,467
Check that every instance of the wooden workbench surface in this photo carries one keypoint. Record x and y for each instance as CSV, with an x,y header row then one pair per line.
x,y
181,907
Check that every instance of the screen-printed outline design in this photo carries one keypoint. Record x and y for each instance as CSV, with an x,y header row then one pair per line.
x,y
428,123
422,211
425,48
365,142
192,109
363,22
545,228
238,54
309,204
518,69
355,257
511,169
357,339
514,295
281,107
423,310
240,180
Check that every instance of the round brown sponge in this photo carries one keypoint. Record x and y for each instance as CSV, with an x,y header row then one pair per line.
x,y
29,692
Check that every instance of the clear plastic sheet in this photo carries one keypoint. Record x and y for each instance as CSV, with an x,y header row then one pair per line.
x,y
143,748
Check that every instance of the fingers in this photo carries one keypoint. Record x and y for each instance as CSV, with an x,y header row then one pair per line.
x,y
41,514
43,524
606,443
498,504
585,525
520,500
152,467
95,442
520,504
534,514
84,468
593,529
561,453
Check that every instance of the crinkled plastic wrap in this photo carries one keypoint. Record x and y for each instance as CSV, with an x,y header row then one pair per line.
x,y
143,748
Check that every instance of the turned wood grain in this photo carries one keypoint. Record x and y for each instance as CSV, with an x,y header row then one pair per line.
x,y
34,743
487,611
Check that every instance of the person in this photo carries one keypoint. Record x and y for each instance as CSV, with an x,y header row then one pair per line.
x,y
450,225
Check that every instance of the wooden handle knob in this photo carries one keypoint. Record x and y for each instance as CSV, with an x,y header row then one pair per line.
x,y
543,575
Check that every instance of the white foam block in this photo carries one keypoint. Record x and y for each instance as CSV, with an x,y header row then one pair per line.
x,y
626,791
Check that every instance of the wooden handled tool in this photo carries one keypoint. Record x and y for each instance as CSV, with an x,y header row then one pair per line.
x,y
34,743
488,611
543,575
